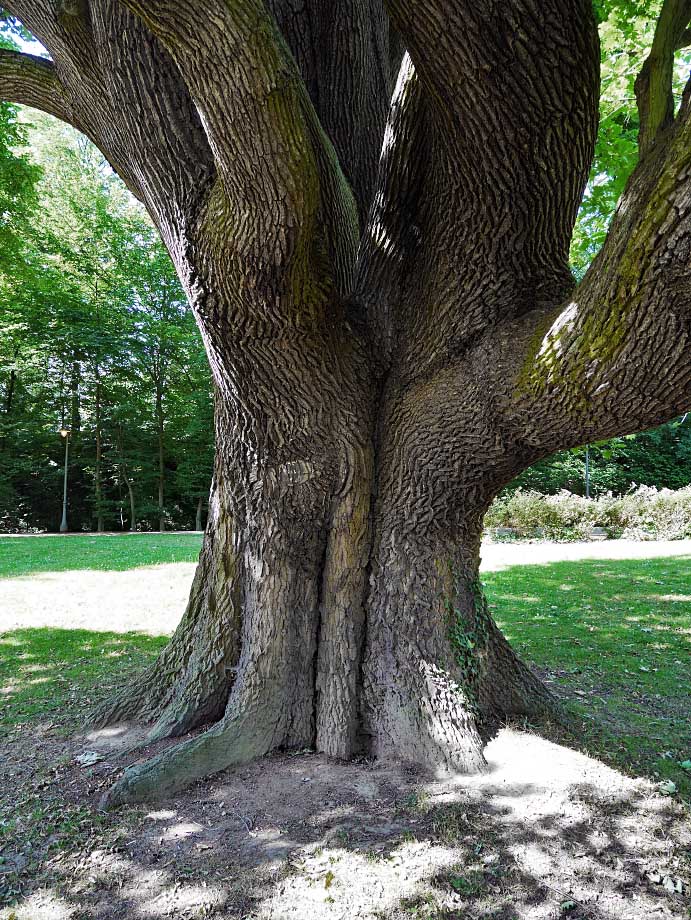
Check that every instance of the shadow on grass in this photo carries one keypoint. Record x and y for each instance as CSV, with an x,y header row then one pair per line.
x,y
613,640
55,673
105,552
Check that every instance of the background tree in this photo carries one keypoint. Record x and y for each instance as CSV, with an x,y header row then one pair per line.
x,y
392,338
90,305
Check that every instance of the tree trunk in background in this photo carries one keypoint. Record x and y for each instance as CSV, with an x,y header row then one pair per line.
x,y
9,400
161,458
99,453
198,516
9,394
75,408
133,512
126,480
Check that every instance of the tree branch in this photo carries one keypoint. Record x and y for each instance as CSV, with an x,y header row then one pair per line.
x,y
616,357
343,52
29,80
510,103
654,83
279,172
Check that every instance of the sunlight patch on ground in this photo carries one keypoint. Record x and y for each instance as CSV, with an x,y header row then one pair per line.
x,y
42,905
541,829
148,600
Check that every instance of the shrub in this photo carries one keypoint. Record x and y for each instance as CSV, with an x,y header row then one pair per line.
x,y
643,514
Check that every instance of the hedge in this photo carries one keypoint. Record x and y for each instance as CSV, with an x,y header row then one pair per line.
x,y
643,514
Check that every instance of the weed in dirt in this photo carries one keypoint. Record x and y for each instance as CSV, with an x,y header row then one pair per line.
x,y
449,824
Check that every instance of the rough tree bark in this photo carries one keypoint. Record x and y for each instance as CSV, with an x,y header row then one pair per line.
x,y
384,294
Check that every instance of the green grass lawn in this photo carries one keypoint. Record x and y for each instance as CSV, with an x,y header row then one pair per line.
x,y
108,552
614,639
55,674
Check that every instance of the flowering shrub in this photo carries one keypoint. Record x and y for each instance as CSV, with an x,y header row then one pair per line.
x,y
644,514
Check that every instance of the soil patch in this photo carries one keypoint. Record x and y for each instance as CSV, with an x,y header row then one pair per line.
x,y
546,832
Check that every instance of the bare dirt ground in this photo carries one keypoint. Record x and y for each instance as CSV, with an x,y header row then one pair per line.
x,y
547,832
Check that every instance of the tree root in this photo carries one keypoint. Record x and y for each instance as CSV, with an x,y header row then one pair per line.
x,y
508,688
229,742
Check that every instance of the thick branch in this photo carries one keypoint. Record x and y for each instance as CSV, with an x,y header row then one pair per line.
x,y
280,176
518,76
390,242
509,101
654,83
29,80
616,358
343,51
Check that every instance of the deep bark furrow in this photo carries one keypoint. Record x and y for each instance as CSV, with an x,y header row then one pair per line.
x,y
341,633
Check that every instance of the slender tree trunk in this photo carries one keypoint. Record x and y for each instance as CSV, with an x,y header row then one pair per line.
x,y
75,407
133,509
99,453
126,481
198,516
9,399
9,393
161,458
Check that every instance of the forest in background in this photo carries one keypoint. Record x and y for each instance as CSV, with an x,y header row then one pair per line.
x,y
96,337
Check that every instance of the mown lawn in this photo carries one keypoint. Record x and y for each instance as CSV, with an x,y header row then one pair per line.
x,y
614,639
57,674
107,552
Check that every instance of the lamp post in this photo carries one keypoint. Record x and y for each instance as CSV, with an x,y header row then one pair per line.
x,y
65,433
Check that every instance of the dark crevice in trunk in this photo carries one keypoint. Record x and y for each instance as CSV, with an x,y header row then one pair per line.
x,y
321,592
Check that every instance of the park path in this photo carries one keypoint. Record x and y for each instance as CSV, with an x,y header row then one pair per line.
x,y
151,599
496,556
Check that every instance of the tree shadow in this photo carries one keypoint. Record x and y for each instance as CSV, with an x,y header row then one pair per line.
x,y
55,673
548,833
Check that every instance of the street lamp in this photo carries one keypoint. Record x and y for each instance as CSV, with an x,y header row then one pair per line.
x,y
65,433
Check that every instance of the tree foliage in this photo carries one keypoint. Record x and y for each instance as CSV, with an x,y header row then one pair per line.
x,y
95,336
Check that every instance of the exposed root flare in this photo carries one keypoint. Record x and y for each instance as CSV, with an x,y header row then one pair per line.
x,y
509,689
190,683
229,742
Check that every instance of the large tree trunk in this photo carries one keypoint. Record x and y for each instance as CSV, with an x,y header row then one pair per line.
x,y
439,677
390,344
273,647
